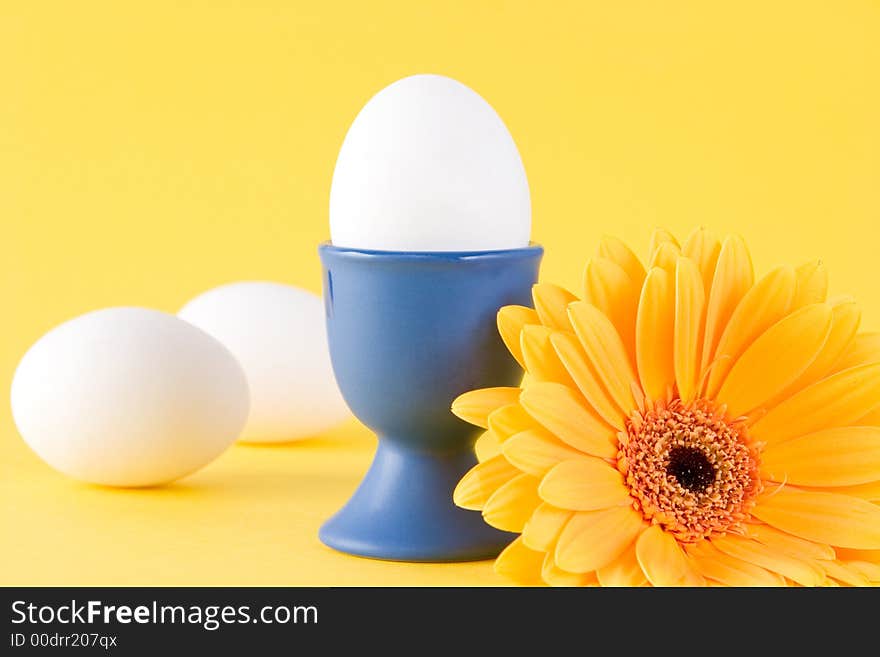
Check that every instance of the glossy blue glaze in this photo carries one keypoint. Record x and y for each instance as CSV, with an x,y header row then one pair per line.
x,y
408,333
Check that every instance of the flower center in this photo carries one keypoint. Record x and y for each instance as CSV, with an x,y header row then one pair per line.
x,y
689,469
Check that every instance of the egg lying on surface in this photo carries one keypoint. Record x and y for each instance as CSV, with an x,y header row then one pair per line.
x,y
277,333
428,165
128,397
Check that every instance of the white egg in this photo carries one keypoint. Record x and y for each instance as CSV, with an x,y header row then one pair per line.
x,y
428,165
277,333
128,397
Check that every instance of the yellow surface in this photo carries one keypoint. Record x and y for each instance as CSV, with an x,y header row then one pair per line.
x,y
151,150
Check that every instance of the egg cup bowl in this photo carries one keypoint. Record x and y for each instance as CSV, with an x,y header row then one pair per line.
x,y
408,333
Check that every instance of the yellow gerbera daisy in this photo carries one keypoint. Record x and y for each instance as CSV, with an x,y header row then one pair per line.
x,y
683,425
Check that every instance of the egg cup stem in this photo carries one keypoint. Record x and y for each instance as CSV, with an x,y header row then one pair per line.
x,y
408,333
402,510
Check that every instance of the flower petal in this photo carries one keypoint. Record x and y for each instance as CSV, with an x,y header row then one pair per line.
x,y
848,554
659,238
665,257
870,570
690,305
864,348
475,406
587,380
768,301
871,418
618,252
732,279
487,446
536,451
788,544
540,357
551,304
509,420
812,284
714,564
622,571
544,527
803,572
843,456
519,563
703,248
605,350
509,507
608,287
584,484
663,561
481,481
555,576
837,520
655,328
839,400
776,359
845,318
511,320
844,574
869,491
593,539
560,410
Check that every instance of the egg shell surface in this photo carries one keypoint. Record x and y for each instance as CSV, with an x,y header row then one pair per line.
x,y
128,397
428,165
277,332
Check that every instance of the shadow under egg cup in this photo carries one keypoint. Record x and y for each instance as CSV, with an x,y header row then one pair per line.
x,y
408,333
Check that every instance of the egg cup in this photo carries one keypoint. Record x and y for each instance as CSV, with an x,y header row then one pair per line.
x,y
408,333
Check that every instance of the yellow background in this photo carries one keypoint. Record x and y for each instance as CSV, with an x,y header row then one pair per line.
x,y
149,151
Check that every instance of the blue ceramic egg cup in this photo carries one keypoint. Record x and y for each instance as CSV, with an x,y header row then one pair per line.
x,y
408,333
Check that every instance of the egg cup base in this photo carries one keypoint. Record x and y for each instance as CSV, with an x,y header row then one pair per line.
x,y
403,511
